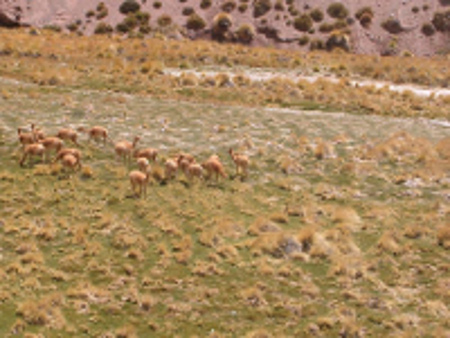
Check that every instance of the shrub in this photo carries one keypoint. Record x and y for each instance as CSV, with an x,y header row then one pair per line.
x,y
72,26
365,20
338,40
340,24
157,4
364,16
317,45
293,11
261,7
187,11
304,40
102,11
279,6
103,28
245,33
222,23
303,23
54,28
428,29
142,17
317,15
228,6
164,20
392,26
415,9
337,10
441,21
326,27
205,4
242,8
129,6
195,22
90,14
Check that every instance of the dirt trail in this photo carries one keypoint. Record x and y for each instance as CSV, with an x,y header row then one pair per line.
x,y
263,75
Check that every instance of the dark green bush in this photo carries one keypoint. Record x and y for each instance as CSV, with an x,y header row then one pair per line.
x,y
164,20
303,41
337,10
195,22
142,17
303,23
129,6
428,29
317,45
242,8
392,26
261,7
245,33
157,4
228,6
316,14
279,6
90,14
441,21
187,11
326,27
103,28
205,4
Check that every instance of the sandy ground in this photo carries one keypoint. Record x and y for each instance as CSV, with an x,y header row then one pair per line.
x,y
411,15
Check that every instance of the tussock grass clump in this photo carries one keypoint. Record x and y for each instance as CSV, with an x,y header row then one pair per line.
x,y
389,243
443,236
262,225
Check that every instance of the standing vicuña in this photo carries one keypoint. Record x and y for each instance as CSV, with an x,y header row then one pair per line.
x,y
96,133
68,134
240,161
35,149
139,179
213,166
124,149
69,151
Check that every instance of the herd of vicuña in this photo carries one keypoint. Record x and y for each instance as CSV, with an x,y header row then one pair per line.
x,y
36,144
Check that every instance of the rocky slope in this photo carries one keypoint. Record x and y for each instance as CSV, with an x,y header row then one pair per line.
x,y
420,27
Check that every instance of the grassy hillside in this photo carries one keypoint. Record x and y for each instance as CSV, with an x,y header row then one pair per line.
x,y
341,226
